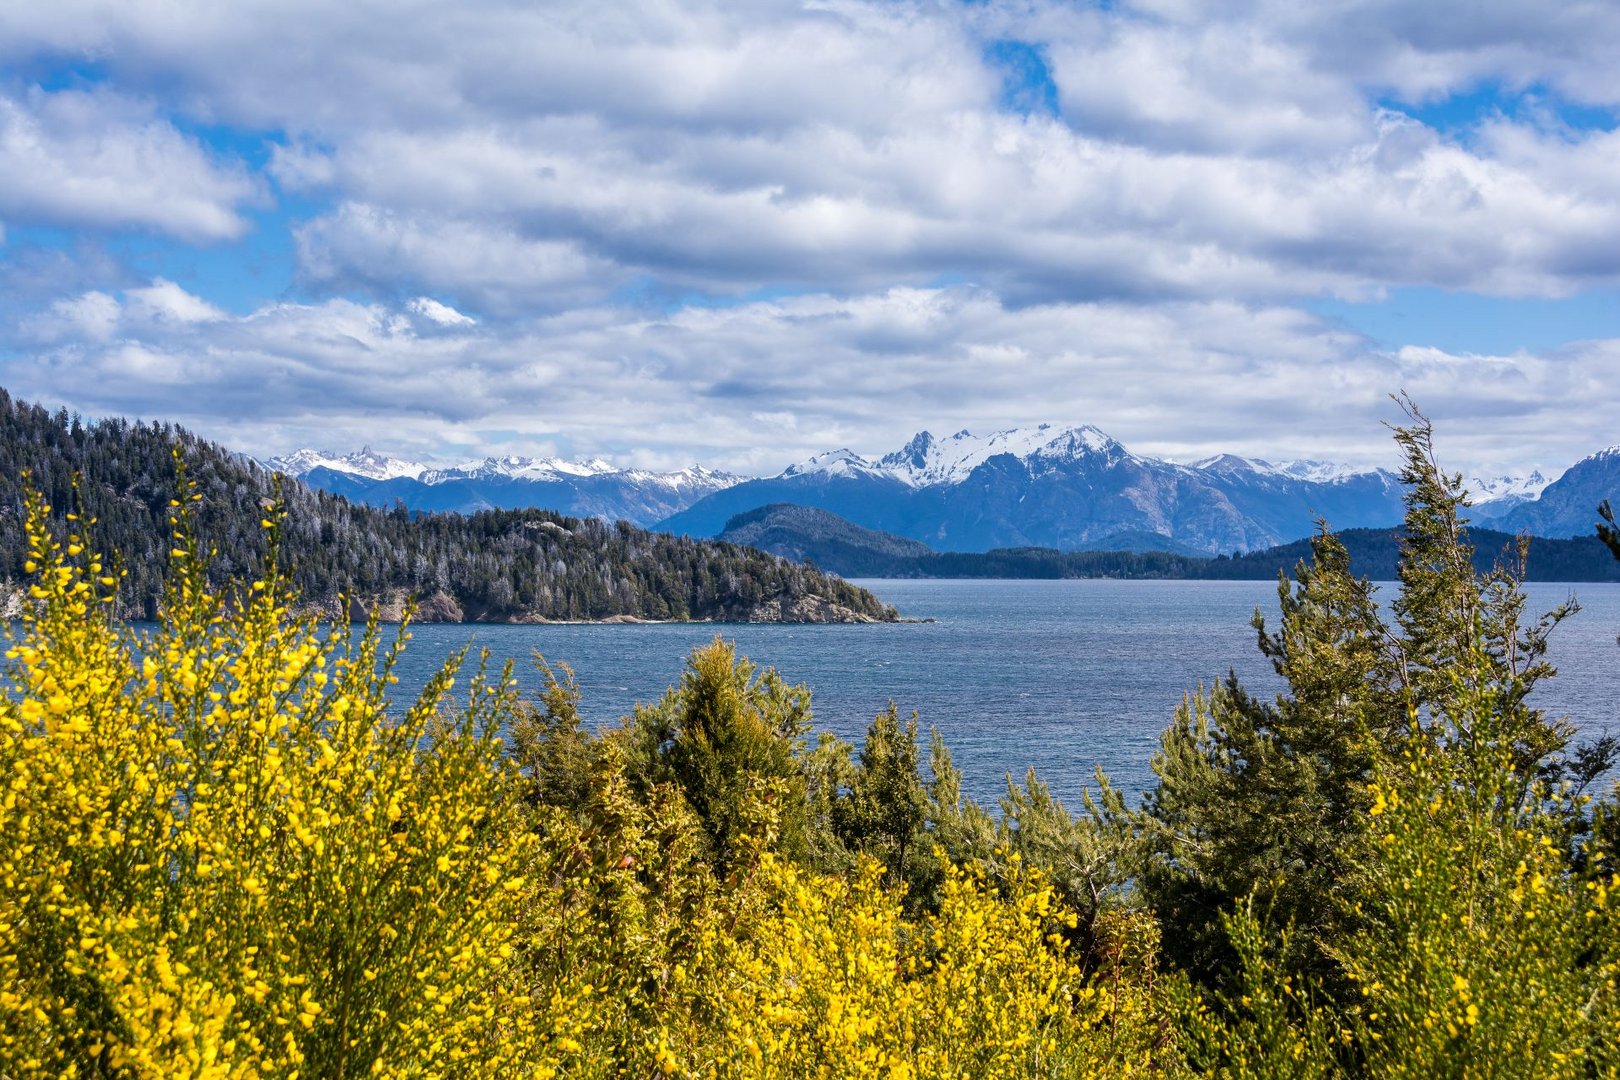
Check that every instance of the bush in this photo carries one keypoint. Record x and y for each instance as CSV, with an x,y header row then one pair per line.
x,y
222,853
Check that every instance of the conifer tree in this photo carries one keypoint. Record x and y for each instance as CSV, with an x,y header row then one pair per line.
x,y
886,808
1255,800
729,738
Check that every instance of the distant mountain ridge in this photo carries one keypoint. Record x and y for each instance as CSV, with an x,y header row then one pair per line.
x,y
1064,488
583,489
1568,505
1073,488
831,543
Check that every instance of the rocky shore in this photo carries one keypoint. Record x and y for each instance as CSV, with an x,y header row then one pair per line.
x,y
441,607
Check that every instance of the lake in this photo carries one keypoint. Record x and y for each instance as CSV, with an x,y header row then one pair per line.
x,y
1058,675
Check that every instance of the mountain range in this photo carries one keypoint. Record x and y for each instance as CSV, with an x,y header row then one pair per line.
x,y
582,489
1068,489
807,535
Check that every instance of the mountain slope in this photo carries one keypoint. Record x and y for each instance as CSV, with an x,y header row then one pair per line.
x,y
1568,505
503,566
1074,489
582,489
805,534
838,545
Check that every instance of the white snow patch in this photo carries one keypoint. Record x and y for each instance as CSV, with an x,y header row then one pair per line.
x,y
370,464
926,461
366,462
1318,472
1518,488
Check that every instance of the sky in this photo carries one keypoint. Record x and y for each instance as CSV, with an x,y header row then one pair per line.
x,y
740,233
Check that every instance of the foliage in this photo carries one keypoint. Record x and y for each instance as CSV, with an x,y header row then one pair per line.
x,y
1255,800
729,740
224,852
839,984
497,565
221,853
885,810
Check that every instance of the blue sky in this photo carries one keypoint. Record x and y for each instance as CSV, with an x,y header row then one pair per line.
x,y
743,233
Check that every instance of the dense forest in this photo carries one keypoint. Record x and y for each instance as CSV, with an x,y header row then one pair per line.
x,y
828,541
495,566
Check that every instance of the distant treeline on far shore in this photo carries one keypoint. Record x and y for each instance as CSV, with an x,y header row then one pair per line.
x,y
831,543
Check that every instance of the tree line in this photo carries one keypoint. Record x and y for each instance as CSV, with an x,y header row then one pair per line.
x,y
495,565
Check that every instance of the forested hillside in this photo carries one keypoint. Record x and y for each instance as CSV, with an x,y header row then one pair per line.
x,y
830,542
495,566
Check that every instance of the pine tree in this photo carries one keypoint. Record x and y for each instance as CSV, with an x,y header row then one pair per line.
x,y
886,808
1255,799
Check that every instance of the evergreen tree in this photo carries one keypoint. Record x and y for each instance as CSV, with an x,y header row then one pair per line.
x,y
730,739
1255,799
887,806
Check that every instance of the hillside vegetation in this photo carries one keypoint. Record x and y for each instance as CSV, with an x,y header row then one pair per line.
x,y
525,565
225,852
807,534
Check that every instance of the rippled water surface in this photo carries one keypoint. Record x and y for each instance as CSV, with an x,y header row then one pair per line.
x,y
1059,675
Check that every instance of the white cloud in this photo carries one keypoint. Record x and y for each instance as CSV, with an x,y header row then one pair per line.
x,y
104,161
1135,260
165,302
505,271
1206,150
90,317
435,312
755,386
97,317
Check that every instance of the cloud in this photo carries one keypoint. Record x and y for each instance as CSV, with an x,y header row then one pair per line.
x,y
364,247
165,302
758,385
555,224
435,312
558,154
103,161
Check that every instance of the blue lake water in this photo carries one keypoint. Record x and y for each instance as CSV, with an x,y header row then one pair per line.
x,y
1061,676
1058,675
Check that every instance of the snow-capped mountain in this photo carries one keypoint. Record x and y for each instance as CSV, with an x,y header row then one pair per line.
x,y
364,462
1067,488
1315,472
1522,488
926,460
586,489
1568,505
1496,497
515,468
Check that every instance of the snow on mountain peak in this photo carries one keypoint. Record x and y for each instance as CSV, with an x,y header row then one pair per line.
x,y
1516,488
372,465
366,462
1316,472
841,462
925,460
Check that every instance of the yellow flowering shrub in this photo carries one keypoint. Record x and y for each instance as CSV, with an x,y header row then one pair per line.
x,y
1483,952
1480,948
222,853
837,983
621,933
